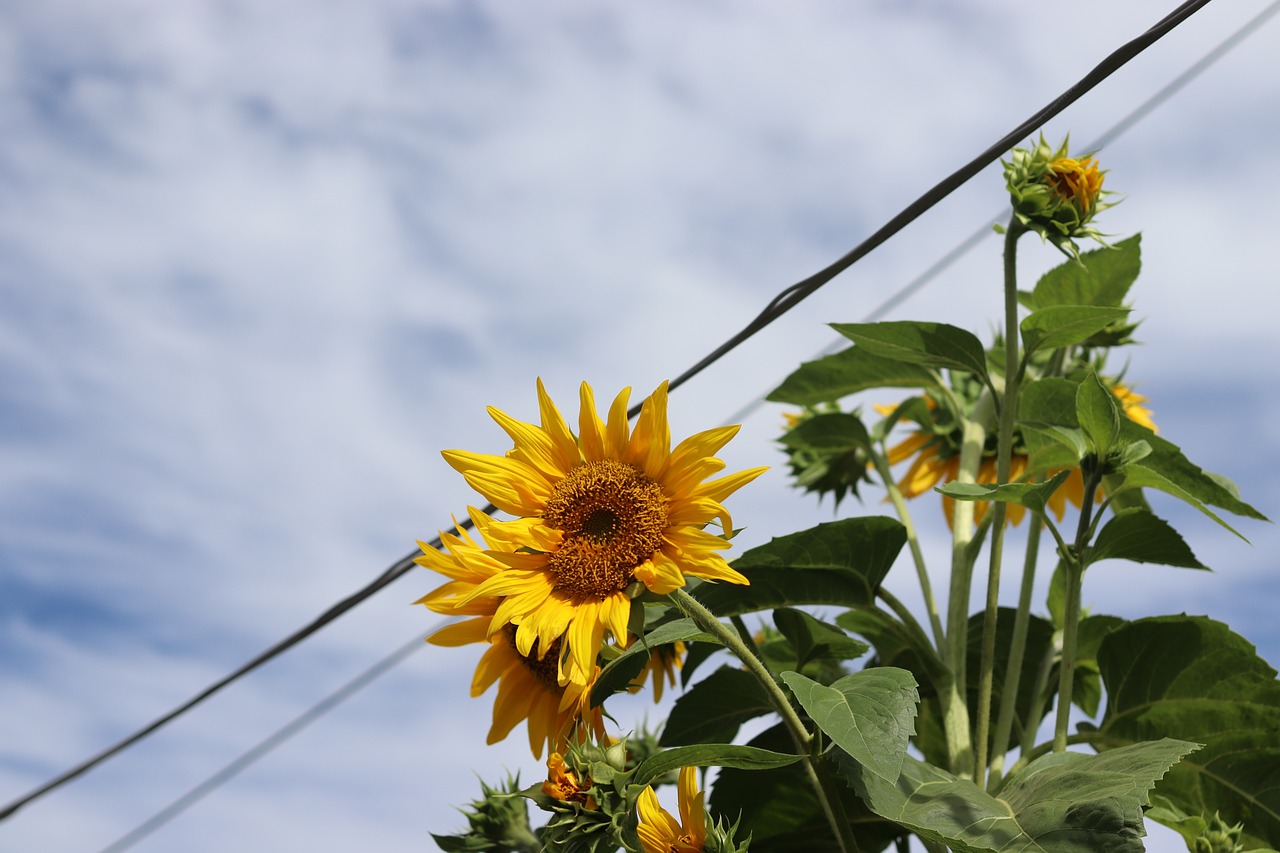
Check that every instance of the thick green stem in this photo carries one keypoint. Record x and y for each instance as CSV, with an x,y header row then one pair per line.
x,y
1004,453
820,779
1017,649
1071,610
913,542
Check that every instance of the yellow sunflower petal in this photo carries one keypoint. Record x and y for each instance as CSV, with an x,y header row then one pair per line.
x,y
590,427
618,430
461,633
692,452
689,799
720,489
532,444
660,575
494,664
509,484
558,431
657,829
650,443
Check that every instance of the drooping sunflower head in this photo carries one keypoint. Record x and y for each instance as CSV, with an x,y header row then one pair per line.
x,y
1056,195
598,516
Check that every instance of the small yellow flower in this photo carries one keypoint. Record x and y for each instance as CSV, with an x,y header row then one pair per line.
x,y
596,513
562,784
659,832
1077,181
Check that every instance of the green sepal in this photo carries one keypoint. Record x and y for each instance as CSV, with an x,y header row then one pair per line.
x,y
1143,537
937,345
847,372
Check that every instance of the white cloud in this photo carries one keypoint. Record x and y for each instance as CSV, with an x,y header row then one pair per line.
x,y
260,262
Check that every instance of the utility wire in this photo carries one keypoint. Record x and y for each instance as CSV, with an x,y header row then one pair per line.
x,y
268,744
783,302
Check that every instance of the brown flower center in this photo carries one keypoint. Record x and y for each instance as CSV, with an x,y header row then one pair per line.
x,y
612,517
544,669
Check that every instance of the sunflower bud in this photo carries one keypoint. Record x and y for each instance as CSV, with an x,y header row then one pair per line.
x,y
1056,195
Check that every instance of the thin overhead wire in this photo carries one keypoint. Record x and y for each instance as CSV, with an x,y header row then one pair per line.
x,y
783,302
267,745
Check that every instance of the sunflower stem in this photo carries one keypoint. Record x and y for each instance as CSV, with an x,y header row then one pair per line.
x,y
1004,456
955,709
819,778
913,542
1017,649
1071,610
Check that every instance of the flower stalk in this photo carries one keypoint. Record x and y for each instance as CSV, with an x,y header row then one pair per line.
x,y
821,781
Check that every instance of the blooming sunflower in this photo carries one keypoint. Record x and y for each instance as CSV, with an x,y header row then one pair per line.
x,y
594,514
937,461
528,683
659,832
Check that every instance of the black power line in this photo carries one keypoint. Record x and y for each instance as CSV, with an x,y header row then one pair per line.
x,y
783,302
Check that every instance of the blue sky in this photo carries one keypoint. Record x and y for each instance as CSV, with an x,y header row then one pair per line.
x,y
260,263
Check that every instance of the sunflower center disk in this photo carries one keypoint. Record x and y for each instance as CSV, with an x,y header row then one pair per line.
x,y
545,669
612,517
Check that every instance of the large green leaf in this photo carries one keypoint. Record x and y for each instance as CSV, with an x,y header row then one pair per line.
x,y
1064,325
848,372
620,672
779,811
712,710
895,645
867,714
1063,803
1192,678
1143,537
840,563
710,755
812,639
1102,278
929,344
830,432
1039,640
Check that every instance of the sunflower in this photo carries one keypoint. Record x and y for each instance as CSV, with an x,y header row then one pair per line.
x,y
1076,181
528,684
659,832
594,514
937,461
563,784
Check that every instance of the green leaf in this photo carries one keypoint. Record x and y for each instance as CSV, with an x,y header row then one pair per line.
x,y
1064,325
1062,803
868,714
848,372
712,710
840,562
1098,412
618,674
929,344
710,755
778,810
895,645
1103,277
1141,536
1192,678
830,432
813,639
1087,685
1034,496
